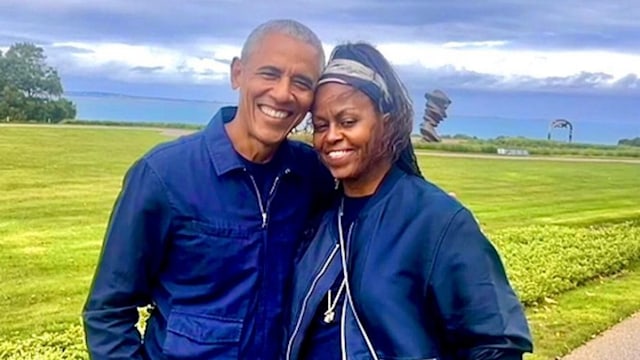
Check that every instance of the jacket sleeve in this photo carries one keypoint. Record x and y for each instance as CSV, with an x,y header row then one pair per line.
x,y
129,260
481,314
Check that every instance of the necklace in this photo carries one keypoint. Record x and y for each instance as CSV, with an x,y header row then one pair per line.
x,y
330,314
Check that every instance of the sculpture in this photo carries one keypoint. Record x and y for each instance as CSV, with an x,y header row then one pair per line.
x,y
560,123
435,111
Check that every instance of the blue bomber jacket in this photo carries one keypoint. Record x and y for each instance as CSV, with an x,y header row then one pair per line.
x,y
423,281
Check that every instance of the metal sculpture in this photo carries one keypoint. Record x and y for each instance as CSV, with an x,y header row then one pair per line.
x,y
560,124
435,111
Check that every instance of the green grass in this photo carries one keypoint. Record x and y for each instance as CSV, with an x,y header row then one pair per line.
x,y
505,193
544,261
134,124
534,147
58,185
574,317
56,190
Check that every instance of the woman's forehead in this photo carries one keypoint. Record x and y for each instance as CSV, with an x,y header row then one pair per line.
x,y
337,93
333,98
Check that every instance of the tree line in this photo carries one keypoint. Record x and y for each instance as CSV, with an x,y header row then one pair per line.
x,y
630,142
31,90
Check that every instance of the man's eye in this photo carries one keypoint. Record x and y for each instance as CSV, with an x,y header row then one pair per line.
x,y
268,75
302,85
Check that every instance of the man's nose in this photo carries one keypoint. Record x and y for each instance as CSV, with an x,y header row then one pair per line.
x,y
282,91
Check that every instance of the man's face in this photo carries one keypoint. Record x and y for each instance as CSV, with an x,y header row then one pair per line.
x,y
276,84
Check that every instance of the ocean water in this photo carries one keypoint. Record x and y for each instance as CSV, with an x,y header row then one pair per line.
x,y
600,121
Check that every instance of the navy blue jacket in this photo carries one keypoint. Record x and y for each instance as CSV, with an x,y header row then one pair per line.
x,y
189,236
423,281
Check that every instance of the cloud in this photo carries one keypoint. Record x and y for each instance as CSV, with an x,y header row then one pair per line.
x,y
563,23
511,62
119,61
567,45
447,78
465,65
146,69
474,44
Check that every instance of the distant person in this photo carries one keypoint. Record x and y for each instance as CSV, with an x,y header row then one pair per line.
x,y
206,227
397,269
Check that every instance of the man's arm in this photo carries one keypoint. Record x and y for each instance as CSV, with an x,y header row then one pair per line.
x,y
482,316
131,254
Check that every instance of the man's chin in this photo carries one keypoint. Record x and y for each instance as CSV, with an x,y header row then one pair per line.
x,y
271,137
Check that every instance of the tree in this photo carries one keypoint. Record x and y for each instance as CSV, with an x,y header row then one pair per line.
x,y
29,88
630,142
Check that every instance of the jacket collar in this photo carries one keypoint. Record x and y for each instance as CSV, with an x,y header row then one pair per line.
x,y
386,186
384,190
225,158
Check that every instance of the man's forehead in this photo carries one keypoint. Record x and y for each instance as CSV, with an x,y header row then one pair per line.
x,y
282,50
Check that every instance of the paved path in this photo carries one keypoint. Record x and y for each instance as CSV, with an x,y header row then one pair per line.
x,y
621,342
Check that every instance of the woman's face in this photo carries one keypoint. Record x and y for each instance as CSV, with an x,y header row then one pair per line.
x,y
347,133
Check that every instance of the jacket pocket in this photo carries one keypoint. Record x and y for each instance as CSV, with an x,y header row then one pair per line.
x,y
219,255
201,336
218,229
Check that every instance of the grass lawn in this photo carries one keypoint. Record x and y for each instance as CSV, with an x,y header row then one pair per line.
x,y
56,190
577,315
505,193
58,185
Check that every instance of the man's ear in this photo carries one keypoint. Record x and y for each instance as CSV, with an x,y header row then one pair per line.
x,y
236,72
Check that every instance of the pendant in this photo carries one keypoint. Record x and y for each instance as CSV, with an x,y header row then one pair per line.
x,y
329,316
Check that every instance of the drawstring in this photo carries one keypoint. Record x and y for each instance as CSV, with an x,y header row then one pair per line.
x,y
330,314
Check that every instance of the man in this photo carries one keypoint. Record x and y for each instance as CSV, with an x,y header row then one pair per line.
x,y
206,227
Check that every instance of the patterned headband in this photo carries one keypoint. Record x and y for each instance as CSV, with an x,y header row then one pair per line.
x,y
337,69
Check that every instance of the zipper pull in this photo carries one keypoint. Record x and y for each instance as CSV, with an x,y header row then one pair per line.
x,y
264,219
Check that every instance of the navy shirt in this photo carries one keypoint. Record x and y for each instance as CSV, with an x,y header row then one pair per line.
x,y
188,236
322,341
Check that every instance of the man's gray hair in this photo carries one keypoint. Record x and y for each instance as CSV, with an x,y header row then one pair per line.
x,y
288,27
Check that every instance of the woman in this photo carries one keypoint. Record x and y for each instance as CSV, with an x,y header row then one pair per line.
x,y
398,269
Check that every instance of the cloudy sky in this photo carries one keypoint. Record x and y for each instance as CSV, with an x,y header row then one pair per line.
x,y
183,47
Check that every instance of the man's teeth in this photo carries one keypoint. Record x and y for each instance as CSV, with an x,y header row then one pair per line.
x,y
273,112
338,154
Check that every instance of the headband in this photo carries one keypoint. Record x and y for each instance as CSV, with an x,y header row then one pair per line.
x,y
353,73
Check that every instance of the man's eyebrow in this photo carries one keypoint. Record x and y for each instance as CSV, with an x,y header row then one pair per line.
x,y
270,69
305,79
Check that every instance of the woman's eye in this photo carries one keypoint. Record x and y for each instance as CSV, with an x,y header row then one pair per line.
x,y
348,122
319,127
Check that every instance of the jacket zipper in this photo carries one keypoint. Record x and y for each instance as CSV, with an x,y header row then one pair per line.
x,y
343,332
343,253
323,269
263,209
